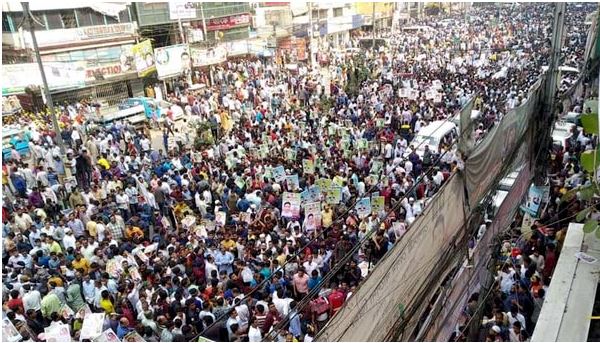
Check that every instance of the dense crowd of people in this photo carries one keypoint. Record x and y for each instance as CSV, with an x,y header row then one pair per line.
x,y
249,220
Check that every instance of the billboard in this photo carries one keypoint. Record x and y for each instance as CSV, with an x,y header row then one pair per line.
x,y
144,58
181,10
205,57
172,60
60,75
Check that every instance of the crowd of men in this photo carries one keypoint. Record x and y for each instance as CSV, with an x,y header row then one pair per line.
x,y
186,238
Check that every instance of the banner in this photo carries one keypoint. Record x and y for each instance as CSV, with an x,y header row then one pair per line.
x,y
172,60
144,58
486,161
333,195
107,336
57,333
465,143
92,325
312,215
363,207
290,207
377,204
279,173
467,280
206,57
392,287
181,10
308,166
292,181
535,198
10,332
60,75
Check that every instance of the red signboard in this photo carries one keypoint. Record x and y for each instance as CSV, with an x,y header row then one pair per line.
x,y
225,23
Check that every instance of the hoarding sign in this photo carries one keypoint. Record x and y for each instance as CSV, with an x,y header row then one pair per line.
x,y
172,60
144,58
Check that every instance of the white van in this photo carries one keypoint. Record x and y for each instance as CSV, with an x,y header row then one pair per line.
x,y
432,135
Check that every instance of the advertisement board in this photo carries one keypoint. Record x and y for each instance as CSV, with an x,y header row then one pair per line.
x,y
181,10
16,77
144,58
172,60
226,23
206,57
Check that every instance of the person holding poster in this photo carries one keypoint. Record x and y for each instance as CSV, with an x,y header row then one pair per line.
x,y
291,205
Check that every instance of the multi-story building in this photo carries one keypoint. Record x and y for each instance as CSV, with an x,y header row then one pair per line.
x,y
225,21
384,12
95,39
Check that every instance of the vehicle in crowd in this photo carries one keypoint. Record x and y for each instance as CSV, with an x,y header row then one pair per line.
x,y
418,28
562,132
154,108
573,118
475,115
136,115
433,135
14,137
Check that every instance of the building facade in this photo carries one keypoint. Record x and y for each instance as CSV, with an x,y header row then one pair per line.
x,y
93,42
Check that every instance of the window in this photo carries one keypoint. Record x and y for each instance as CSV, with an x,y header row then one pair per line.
x,y
91,57
111,20
39,23
68,19
77,56
109,54
97,18
54,20
63,57
124,16
17,19
83,17
6,23
338,12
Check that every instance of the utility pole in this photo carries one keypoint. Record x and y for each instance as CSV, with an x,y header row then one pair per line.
x,y
203,21
27,13
545,118
373,20
310,36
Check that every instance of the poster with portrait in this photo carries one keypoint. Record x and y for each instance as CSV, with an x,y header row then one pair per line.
x,y
290,207
312,216
92,325
363,143
403,92
292,181
333,195
290,154
133,336
438,98
314,193
58,333
534,200
363,207
308,166
144,58
263,152
376,167
377,204
304,198
279,173
173,60
240,183
220,218
107,336
413,94
323,183
10,332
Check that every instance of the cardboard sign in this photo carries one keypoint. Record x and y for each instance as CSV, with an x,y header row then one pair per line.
x,y
92,325
308,166
363,207
290,207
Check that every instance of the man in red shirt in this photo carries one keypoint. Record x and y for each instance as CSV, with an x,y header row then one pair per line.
x,y
15,302
336,299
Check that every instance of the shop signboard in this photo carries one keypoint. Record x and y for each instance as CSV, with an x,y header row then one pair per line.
x,y
226,23
172,60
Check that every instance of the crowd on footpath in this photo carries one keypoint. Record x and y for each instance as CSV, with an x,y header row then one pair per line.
x,y
228,241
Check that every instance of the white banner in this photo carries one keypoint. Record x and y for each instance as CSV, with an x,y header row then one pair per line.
x,y
181,10
172,60
205,57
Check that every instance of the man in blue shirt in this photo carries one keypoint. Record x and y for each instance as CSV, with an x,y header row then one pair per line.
x,y
224,260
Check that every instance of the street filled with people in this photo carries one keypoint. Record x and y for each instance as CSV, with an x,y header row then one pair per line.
x,y
258,213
